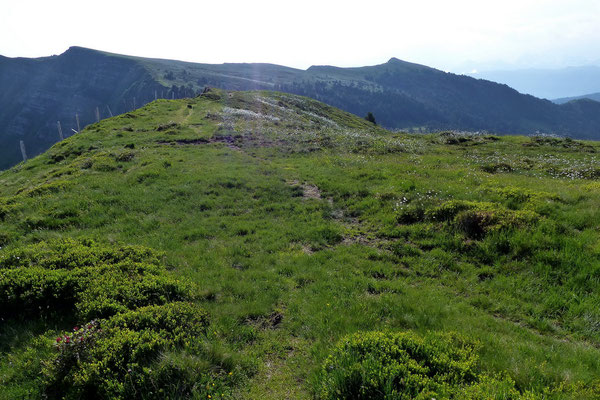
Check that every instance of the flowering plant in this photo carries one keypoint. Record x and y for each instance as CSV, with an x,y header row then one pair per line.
x,y
73,347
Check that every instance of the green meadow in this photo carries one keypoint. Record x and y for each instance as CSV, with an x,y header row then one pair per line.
x,y
260,245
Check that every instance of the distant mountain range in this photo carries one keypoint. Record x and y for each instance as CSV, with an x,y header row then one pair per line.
x,y
37,93
593,96
548,83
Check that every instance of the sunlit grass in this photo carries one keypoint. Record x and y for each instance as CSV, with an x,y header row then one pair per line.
x,y
285,275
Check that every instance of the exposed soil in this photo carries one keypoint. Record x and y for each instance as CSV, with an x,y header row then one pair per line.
x,y
308,191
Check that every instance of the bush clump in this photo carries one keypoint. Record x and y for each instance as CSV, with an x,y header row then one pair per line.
x,y
45,188
411,214
114,358
398,366
477,222
84,277
497,167
448,210
476,219
144,338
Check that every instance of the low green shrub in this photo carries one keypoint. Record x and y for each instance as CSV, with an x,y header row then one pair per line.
x,y
137,314
520,198
114,358
449,209
3,211
70,254
82,276
475,219
411,214
46,188
477,222
103,164
175,321
118,287
5,207
7,236
35,290
378,365
496,167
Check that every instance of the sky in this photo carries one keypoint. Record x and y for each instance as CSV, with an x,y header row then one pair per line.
x,y
458,36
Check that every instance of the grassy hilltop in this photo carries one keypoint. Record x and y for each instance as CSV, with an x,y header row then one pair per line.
x,y
265,245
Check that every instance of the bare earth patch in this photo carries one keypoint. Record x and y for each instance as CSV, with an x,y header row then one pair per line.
x,y
308,191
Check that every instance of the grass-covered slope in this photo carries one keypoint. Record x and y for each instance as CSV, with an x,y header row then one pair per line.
x,y
264,245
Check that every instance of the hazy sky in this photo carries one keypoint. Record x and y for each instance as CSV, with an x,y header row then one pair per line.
x,y
456,35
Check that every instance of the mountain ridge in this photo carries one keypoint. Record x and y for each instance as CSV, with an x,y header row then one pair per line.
x,y
591,96
37,93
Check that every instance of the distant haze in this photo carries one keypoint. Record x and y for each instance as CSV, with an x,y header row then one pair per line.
x,y
548,83
456,36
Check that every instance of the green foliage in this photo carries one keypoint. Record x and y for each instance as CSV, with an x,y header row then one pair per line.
x,y
473,218
46,188
449,210
174,321
497,167
5,208
411,214
478,221
370,117
378,365
70,254
114,358
83,277
105,358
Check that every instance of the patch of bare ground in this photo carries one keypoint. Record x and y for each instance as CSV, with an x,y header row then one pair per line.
x,y
271,321
307,249
308,191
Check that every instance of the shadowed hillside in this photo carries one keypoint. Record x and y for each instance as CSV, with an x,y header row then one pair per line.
x,y
36,93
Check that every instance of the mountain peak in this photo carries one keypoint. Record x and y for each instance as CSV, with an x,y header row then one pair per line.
x,y
72,49
396,62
